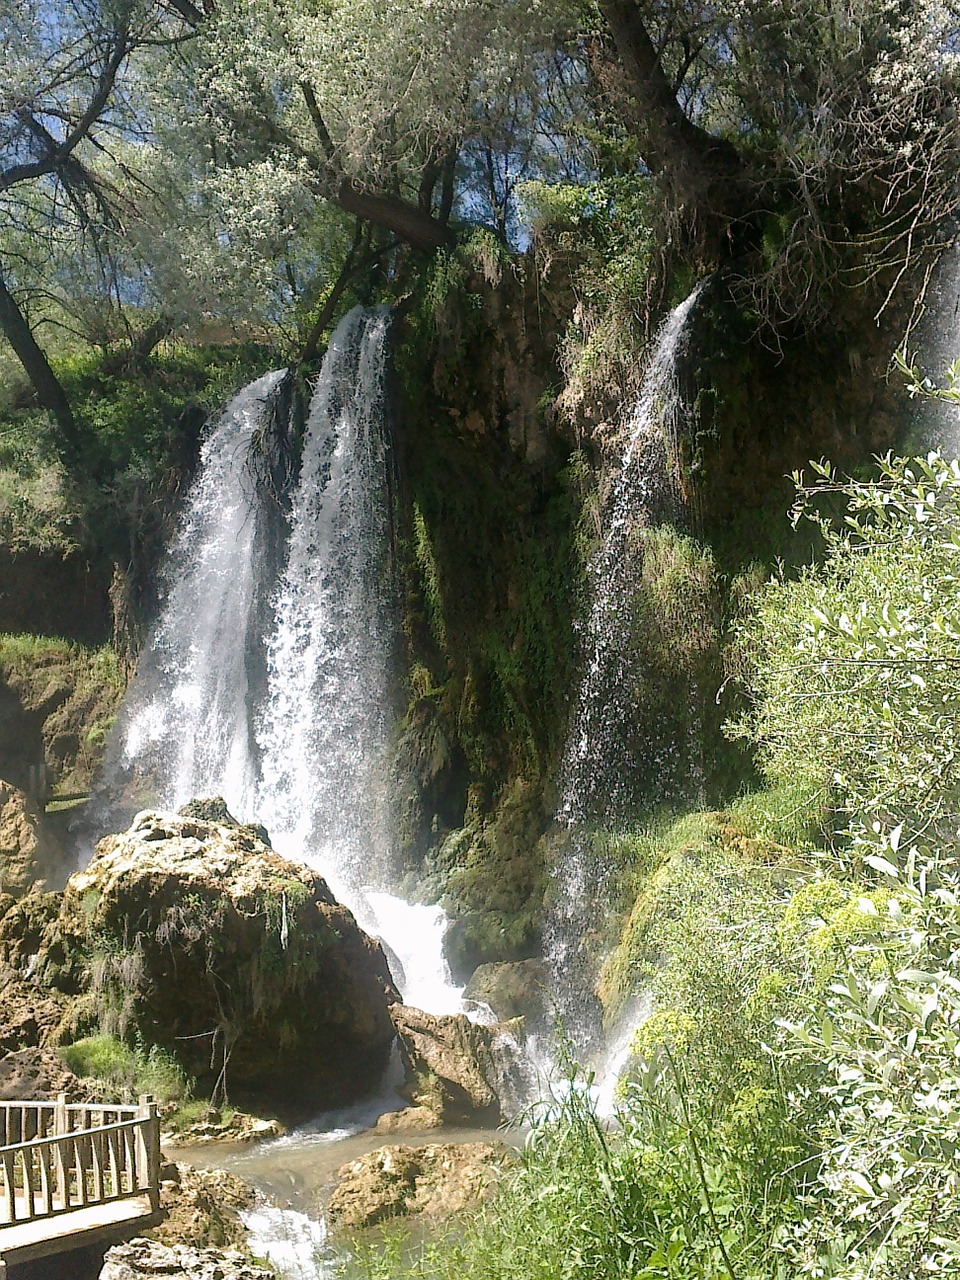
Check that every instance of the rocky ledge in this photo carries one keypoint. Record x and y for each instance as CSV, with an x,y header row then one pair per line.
x,y
433,1181
149,1260
457,1071
190,933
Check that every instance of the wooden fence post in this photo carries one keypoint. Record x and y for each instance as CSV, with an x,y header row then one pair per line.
x,y
148,1149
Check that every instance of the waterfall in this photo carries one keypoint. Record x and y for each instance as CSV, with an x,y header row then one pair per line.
x,y
270,685
185,726
322,734
602,759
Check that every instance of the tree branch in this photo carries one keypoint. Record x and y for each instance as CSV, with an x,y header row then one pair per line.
x,y
60,154
670,139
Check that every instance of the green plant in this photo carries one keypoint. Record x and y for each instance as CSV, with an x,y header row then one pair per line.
x,y
854,689
132,1071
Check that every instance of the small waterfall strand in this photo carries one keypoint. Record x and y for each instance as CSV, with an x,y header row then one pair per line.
x,y
601,758
185,726
322,734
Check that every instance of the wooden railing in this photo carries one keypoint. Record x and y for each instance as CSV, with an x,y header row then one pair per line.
x,y
57,1157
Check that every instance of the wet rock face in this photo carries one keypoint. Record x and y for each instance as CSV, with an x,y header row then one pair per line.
x,y
457,1072
30,856
433,1181
518,990
238,962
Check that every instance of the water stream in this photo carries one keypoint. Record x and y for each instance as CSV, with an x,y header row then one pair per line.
x,y
185,728
305,754
270,684
601,759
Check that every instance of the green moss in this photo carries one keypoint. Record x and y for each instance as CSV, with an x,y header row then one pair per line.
x,y
83,687
668,873
491,568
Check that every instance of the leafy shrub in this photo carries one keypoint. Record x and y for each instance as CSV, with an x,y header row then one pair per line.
x,y
855,694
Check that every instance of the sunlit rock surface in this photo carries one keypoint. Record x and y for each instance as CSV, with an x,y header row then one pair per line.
x,y
433,1181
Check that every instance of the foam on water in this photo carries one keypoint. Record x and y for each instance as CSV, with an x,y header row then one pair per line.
x,y
293,1243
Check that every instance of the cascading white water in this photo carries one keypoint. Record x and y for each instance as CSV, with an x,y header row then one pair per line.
x,y
185,729
599,762
323,730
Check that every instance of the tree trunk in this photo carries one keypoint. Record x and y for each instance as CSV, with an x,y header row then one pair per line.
x,y
413,226
45,383
670,141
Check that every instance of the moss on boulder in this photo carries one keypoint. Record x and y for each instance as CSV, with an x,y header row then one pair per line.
x,y
237,962
30,854
434,1182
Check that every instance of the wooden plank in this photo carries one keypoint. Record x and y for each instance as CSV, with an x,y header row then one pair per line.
x,y
98,1224
96,1158
130,1157
113,1155
46,1179
81,1147
9,1186
26,1168
60,1162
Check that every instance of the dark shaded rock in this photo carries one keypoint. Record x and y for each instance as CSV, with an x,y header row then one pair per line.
x,y
30,1015
483,937
517,990
28,1074
214,809
57,702
35,943
430,780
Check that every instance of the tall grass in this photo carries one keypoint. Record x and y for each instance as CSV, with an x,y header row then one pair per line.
x,y
655,1198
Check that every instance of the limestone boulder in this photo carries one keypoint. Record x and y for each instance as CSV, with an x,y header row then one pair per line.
x,y
203,1208
30,1022
30,855
30,1015
457,1072
433,1182
236,961
34,1072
